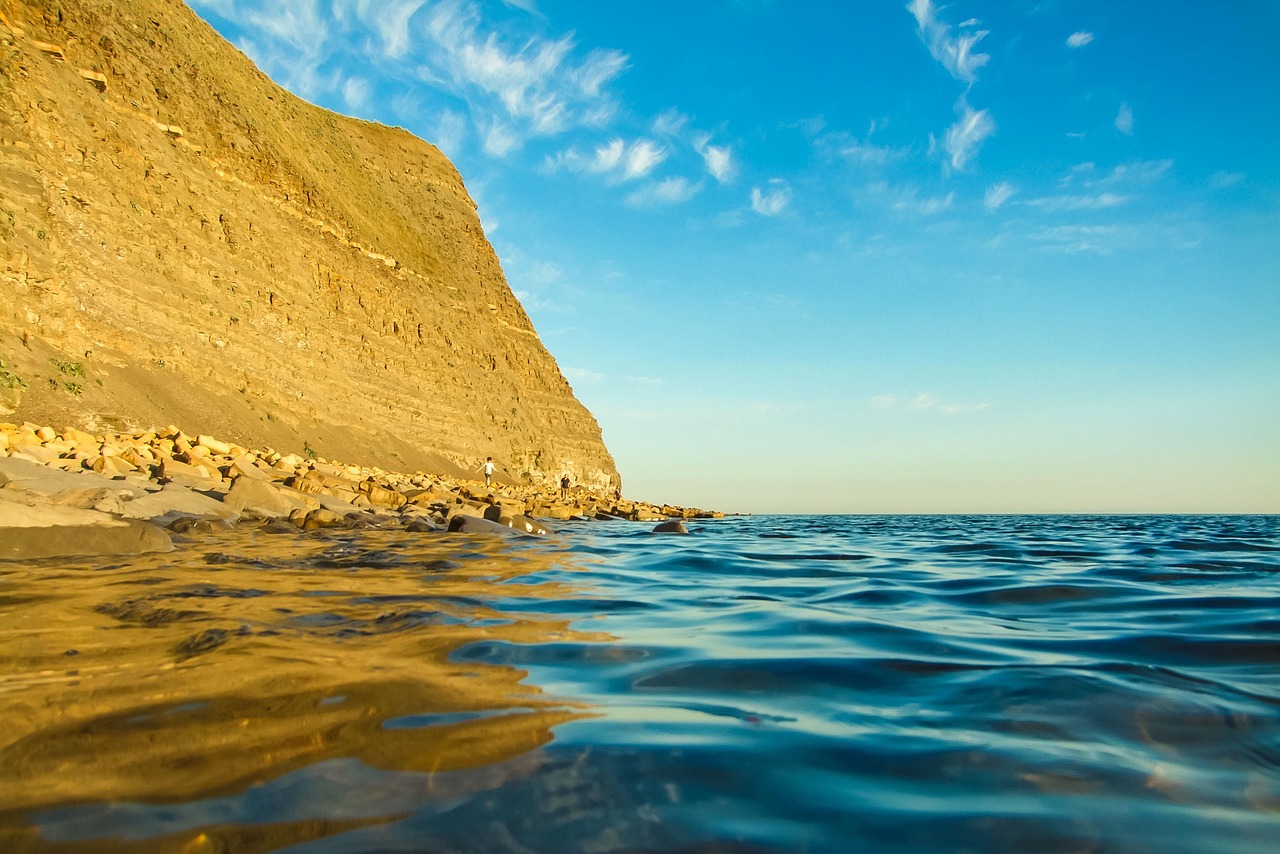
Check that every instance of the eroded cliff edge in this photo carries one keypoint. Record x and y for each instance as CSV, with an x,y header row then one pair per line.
x,y
186,242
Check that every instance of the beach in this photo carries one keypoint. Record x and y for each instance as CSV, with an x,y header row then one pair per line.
x,y
68,492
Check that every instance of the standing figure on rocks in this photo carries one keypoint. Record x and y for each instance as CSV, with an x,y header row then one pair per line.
x,y
564,486
487,468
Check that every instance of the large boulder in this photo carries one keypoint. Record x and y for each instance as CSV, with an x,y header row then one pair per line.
x,y
262,498
30,531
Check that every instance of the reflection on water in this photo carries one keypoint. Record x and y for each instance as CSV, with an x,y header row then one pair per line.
x,y
240,659
813,684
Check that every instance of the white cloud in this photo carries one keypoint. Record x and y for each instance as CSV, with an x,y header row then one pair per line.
x,y
719,159
1124,120
450,131
925,402
669,191
641,159
357,93
615,159
582,375
955,52
1223,180
965,137
536,87
774,201
998,194
499,139
1074,239
928,206
392,23
608,156
670,123
1078,203
1079,39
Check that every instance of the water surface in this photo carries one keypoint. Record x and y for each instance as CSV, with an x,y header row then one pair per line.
x,y
763,684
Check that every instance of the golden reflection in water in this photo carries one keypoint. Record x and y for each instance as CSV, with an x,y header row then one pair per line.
x,y
242,657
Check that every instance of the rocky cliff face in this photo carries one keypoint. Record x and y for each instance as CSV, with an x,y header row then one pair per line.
x,y
185,242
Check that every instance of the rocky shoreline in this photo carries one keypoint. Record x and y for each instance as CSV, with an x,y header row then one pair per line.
x,y
68,492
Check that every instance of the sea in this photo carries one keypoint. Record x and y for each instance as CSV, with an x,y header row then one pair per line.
x,y
759,684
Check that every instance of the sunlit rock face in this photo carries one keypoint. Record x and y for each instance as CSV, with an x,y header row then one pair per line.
x,y
181,240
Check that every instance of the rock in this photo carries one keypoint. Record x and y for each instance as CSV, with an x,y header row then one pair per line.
x,y
112,465
173,502
214,445
530,526
262,498
423,525
478,525
246,464
673,526
380,496
29,476
322,518
37,453
31,532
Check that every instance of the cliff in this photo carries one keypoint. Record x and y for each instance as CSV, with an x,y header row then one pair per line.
x,y
182,241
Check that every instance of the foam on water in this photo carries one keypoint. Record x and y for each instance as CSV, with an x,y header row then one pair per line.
x,y
763,684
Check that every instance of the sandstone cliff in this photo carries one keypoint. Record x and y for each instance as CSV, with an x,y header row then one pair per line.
x,y
185,242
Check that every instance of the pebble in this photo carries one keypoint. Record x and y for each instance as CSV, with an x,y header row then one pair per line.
x,y
71,492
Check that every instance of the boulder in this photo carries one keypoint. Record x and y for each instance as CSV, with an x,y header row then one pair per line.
x,y
380,496
322,518
29,476
673,526
34,531
173,502
478,525
261,498
215,445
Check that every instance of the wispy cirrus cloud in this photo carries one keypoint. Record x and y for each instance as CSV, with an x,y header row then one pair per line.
x,y
511,88
669,191
1124,119
717,158
1099,201
617,159
772,201
924,402
582,375
997,195
928,206
965,137
955,51
1079,39
1073,239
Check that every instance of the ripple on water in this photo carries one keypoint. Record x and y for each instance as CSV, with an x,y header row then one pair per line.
x,y
819,684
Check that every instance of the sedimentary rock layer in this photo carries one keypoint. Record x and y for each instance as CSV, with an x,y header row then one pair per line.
x,y
183,240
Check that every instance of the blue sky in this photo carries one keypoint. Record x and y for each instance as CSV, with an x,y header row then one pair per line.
x,y
863,257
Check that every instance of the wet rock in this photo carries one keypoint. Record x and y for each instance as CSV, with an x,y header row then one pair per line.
x,y
672,526
478,525
42,530
175,501
322,518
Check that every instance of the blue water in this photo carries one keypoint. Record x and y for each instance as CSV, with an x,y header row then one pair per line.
x,y
821,684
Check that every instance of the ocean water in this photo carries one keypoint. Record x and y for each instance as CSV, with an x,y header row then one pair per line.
x,y
763,684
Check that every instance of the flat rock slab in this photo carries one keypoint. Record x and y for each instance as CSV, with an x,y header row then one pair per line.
x,y
17,473
33,531
175,501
